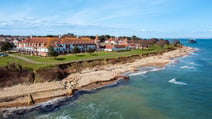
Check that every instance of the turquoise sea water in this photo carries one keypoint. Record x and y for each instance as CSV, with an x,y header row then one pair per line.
x,y
181,90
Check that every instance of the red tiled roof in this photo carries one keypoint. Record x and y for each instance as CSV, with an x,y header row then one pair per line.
x,y
120,46
131,44
112,39
54,41
82,40
114,46
109,46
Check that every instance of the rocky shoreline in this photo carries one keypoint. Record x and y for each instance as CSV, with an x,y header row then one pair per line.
x,y
50,104
20,96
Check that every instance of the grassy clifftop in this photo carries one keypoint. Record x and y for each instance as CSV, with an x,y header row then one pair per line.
x,y
49,61
15,71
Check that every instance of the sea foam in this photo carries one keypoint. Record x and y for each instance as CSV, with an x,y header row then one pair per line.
x,y
174,81
146,71
187,67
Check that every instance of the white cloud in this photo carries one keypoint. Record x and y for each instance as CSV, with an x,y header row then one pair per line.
x,y
3,23
103,14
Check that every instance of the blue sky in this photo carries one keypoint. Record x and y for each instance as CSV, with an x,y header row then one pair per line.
x,y
143,18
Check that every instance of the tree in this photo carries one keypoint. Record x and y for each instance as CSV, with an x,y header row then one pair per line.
x,y
144,44
162,42
152,41
76,50
102,39
90,50
167,42
176,42
134,37
5,46
68,35
51,35
52,52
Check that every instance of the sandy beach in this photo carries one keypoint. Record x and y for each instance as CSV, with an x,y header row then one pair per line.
x,y
110,71
23,95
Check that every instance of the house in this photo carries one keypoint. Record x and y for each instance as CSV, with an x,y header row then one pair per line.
x,y
15,42
83,43
39,45
117,41
2,39
116,47
112,41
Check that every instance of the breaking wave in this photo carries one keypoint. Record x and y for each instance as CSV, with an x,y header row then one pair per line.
x,y
187,67
146,71
194,64
174,81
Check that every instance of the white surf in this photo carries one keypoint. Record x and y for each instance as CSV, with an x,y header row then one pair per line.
x,y
174,81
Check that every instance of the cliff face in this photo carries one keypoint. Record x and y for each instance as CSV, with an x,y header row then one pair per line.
x,y
50,74
16,74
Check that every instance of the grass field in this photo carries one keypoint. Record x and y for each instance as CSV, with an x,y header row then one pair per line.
x,y
5,60
48,61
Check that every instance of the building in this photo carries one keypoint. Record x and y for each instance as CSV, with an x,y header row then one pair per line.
x,y
2,39
39,45
83,43
97,42
117,41
64,45
116,44
116,47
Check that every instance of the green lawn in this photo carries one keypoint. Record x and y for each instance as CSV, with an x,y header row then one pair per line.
x,y
83,56
48,61
5,60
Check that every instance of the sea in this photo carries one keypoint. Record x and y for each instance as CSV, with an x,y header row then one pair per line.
x,y
180,90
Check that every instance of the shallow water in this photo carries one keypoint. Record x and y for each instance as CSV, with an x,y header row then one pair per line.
x,y
179,91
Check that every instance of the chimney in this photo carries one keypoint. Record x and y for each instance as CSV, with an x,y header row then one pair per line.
x,y
59,36
97,38
31,36
62,41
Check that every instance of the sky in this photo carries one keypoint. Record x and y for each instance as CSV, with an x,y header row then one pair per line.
x,y
143,18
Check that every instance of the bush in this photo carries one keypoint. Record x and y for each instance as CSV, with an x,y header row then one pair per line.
x,y
90,50
5,46
76,50
51,52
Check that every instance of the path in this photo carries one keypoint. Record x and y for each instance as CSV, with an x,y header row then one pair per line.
x,y
25,59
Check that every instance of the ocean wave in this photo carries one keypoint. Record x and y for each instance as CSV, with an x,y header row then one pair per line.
x,y
174,81
173,63
194,53
44,116
64,117
138,73
43,106
146,71
196,49
194,64
187,67
116,115
157,69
